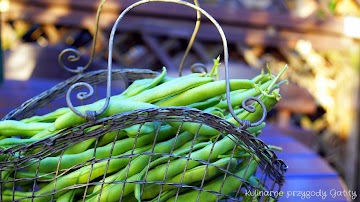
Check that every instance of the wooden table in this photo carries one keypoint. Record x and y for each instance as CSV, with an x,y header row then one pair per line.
x,y
307,173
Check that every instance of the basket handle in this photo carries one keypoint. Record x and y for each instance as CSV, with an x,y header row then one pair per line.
x,y
91,115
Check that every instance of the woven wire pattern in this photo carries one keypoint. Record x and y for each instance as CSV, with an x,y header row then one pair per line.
x,y
17,160
271,172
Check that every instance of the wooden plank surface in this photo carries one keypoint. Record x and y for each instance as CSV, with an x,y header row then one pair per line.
x,y
307,174
256,18
252,28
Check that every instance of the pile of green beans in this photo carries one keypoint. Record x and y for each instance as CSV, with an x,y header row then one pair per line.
x,y
145,162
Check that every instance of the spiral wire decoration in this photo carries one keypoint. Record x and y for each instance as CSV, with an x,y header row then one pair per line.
x,y
75,56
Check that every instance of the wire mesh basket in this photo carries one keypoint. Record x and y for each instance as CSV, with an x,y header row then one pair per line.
x,y
148,154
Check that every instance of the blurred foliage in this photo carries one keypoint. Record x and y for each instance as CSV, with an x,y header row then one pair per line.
x,y
345,7
326,76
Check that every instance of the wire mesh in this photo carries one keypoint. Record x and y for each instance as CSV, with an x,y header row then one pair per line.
x,y
74,162
167,161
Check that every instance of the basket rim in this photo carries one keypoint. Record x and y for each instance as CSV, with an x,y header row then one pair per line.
x,y
269,161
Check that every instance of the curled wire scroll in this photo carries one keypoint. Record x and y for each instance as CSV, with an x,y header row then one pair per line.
x,y
73,56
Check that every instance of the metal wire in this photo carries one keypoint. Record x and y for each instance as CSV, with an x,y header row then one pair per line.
x,y
31,106
192,39
75,54
243,123
272,168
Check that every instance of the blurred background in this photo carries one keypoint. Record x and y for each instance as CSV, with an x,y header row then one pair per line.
x,y
317,39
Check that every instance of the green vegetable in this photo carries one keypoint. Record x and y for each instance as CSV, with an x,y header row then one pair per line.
x,y
196,174
85,174
13,141
238,96
10,128
70,195
170,88
71,119
224,184
66,161
140,85
111,192
205,103
205,91
138,164
176,166
50,117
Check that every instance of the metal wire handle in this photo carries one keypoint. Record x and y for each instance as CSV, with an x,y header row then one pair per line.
x,y
243,123
91,115
191,42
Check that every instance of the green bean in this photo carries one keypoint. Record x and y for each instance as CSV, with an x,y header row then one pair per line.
x,y
170,88
135,88
40,177
165,195
140,129
71,119
82,146
205,130
263,77
111,137
238,96
140,85
208,131
85,174
270,97
205,91
224,184
254,130
269,102
9,128
132,103
185,149
11,182
215,111
8,195
141,162
111,193
13,141
50,117
196,128
196,174
209,152
70,195
66,161
46,132
129,187
210,102
129,198
237,111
